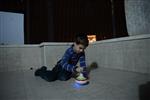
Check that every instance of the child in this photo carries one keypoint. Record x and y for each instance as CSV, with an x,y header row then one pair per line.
x,y
66,67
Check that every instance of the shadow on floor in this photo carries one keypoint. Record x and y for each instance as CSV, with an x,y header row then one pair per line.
x,y
144,91
92,66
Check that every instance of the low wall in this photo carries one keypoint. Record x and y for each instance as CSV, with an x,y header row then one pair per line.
x,y
52,52
19,57
128,53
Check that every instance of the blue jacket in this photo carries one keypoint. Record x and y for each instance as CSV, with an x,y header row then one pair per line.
x,y
71,58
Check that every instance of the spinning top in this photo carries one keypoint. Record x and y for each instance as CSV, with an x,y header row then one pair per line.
x,y
81,80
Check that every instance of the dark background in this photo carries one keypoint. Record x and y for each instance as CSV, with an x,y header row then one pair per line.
x,y
60,20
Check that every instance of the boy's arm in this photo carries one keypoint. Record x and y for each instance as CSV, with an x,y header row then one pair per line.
x,y
82,61
83,65
64,62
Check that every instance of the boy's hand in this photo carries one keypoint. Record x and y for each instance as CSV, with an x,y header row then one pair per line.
x,y
79,69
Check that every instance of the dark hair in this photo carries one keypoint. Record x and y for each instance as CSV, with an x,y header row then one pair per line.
x,y
82,39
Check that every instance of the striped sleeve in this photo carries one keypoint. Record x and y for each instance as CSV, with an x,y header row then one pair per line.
x,y
82,60
65,59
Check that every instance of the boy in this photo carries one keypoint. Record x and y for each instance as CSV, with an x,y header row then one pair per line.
x,y
66,67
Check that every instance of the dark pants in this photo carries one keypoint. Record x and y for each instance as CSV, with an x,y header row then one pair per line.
x,y
57,73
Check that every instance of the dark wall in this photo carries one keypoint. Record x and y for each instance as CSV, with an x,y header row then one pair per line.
x,y
82,16
36,21
91,17
51,32
60,20
12,6
119,17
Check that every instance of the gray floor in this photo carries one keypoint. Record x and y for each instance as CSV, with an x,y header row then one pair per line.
x,y
105,84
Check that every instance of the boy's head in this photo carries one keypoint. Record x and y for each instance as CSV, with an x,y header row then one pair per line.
x,y
81,42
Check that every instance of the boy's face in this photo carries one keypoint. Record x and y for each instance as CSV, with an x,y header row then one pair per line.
x,y
78,48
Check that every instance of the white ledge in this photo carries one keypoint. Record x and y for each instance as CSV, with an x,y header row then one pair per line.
x,y
19,46
55,44
129,38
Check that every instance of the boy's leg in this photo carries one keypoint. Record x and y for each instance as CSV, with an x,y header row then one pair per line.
x,y
57,73
45,74
40,70
64,75
49,76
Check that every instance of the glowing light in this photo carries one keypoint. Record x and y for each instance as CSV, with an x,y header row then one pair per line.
x,y
79,86
91,38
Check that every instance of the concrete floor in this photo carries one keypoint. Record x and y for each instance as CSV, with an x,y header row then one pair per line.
x,y
105,84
